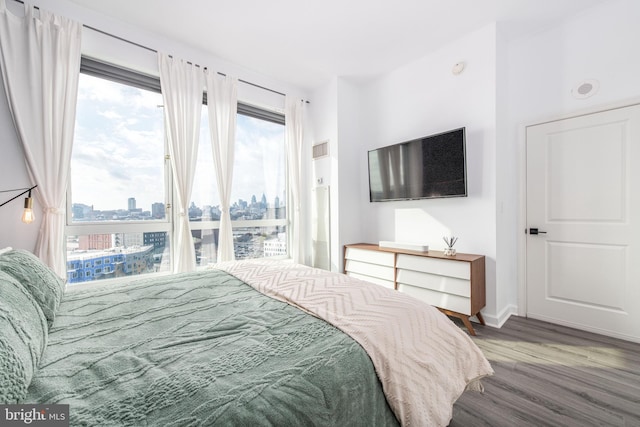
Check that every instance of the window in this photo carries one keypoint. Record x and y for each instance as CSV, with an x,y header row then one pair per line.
x,y
117,162
259,192
120,194
118,186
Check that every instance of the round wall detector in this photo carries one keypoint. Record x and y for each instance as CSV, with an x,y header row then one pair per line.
x,y
585,89
458,67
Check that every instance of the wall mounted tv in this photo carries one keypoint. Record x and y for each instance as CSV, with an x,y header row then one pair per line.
x,y
425,168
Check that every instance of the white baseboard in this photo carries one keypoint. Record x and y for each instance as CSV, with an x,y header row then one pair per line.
x,y
496,321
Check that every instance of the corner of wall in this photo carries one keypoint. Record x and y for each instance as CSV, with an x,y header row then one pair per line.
x,y
496,321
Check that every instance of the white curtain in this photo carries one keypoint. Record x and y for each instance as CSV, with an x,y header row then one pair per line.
x,y
293,139
40,60
182,88
222,100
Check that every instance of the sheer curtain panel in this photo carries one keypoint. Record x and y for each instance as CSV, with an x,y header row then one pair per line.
x,y
40,61
182,88
222,99
293,139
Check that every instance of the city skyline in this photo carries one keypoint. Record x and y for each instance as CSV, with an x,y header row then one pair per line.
x,y
277,202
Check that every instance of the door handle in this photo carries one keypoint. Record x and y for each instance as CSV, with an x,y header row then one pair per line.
x,y
536,231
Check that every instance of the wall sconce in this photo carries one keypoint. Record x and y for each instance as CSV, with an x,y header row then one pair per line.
x,y
27,215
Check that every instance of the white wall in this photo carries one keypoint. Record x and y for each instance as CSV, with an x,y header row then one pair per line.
x,y
600,43
337,118
507,199
422,98
351,125
324,127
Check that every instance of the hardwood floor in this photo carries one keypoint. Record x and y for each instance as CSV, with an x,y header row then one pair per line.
x,y
550,375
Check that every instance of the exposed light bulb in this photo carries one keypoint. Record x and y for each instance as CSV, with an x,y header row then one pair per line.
x,y
27,215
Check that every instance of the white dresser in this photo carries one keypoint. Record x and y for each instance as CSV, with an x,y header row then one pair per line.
x,y
454,284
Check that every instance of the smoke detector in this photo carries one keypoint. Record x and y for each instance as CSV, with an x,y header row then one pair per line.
x,y
585,89
458,67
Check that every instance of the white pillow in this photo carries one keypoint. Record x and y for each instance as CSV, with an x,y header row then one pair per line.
x,y
3,250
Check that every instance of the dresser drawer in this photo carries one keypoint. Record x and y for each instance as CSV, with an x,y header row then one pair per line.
x,y
371,270
451,302
447,284
442,267
386,283
371,257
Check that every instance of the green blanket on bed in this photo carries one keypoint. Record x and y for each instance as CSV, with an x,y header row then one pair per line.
x,y
202,349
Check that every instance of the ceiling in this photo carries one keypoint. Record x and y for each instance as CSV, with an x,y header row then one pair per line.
x,y
304,43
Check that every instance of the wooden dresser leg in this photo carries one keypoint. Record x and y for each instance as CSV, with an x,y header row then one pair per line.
x,y
467,323
463,317
480,318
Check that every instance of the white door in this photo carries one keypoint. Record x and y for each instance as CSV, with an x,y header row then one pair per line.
x,y
583,197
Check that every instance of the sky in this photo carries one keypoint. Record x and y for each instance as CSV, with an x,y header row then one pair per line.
x,y
119,151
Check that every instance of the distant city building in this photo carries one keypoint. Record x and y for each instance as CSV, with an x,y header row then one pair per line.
x,y
84,266
128,239
77,212
195,212
276,247
102,254
80,211
94,242
157,210
157,239
215,213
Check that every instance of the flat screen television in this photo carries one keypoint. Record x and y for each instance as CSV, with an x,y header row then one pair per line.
x,y
425,168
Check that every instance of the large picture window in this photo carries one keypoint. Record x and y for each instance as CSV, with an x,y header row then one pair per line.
x,y
119,206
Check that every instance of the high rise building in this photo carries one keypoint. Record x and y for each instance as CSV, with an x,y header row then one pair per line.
x,y
157,210
132,203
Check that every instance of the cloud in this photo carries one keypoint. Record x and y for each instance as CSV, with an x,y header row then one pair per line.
x,y
110,114
119,146
119,152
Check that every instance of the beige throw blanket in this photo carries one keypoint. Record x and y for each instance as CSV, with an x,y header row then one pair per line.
x,y
423,360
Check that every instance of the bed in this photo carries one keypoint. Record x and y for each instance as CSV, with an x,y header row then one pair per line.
x,y
249,343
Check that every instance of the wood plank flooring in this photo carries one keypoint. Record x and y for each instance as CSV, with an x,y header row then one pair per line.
x,y
551,375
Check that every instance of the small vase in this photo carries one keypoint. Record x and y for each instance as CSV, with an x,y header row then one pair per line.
x,y
450,251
